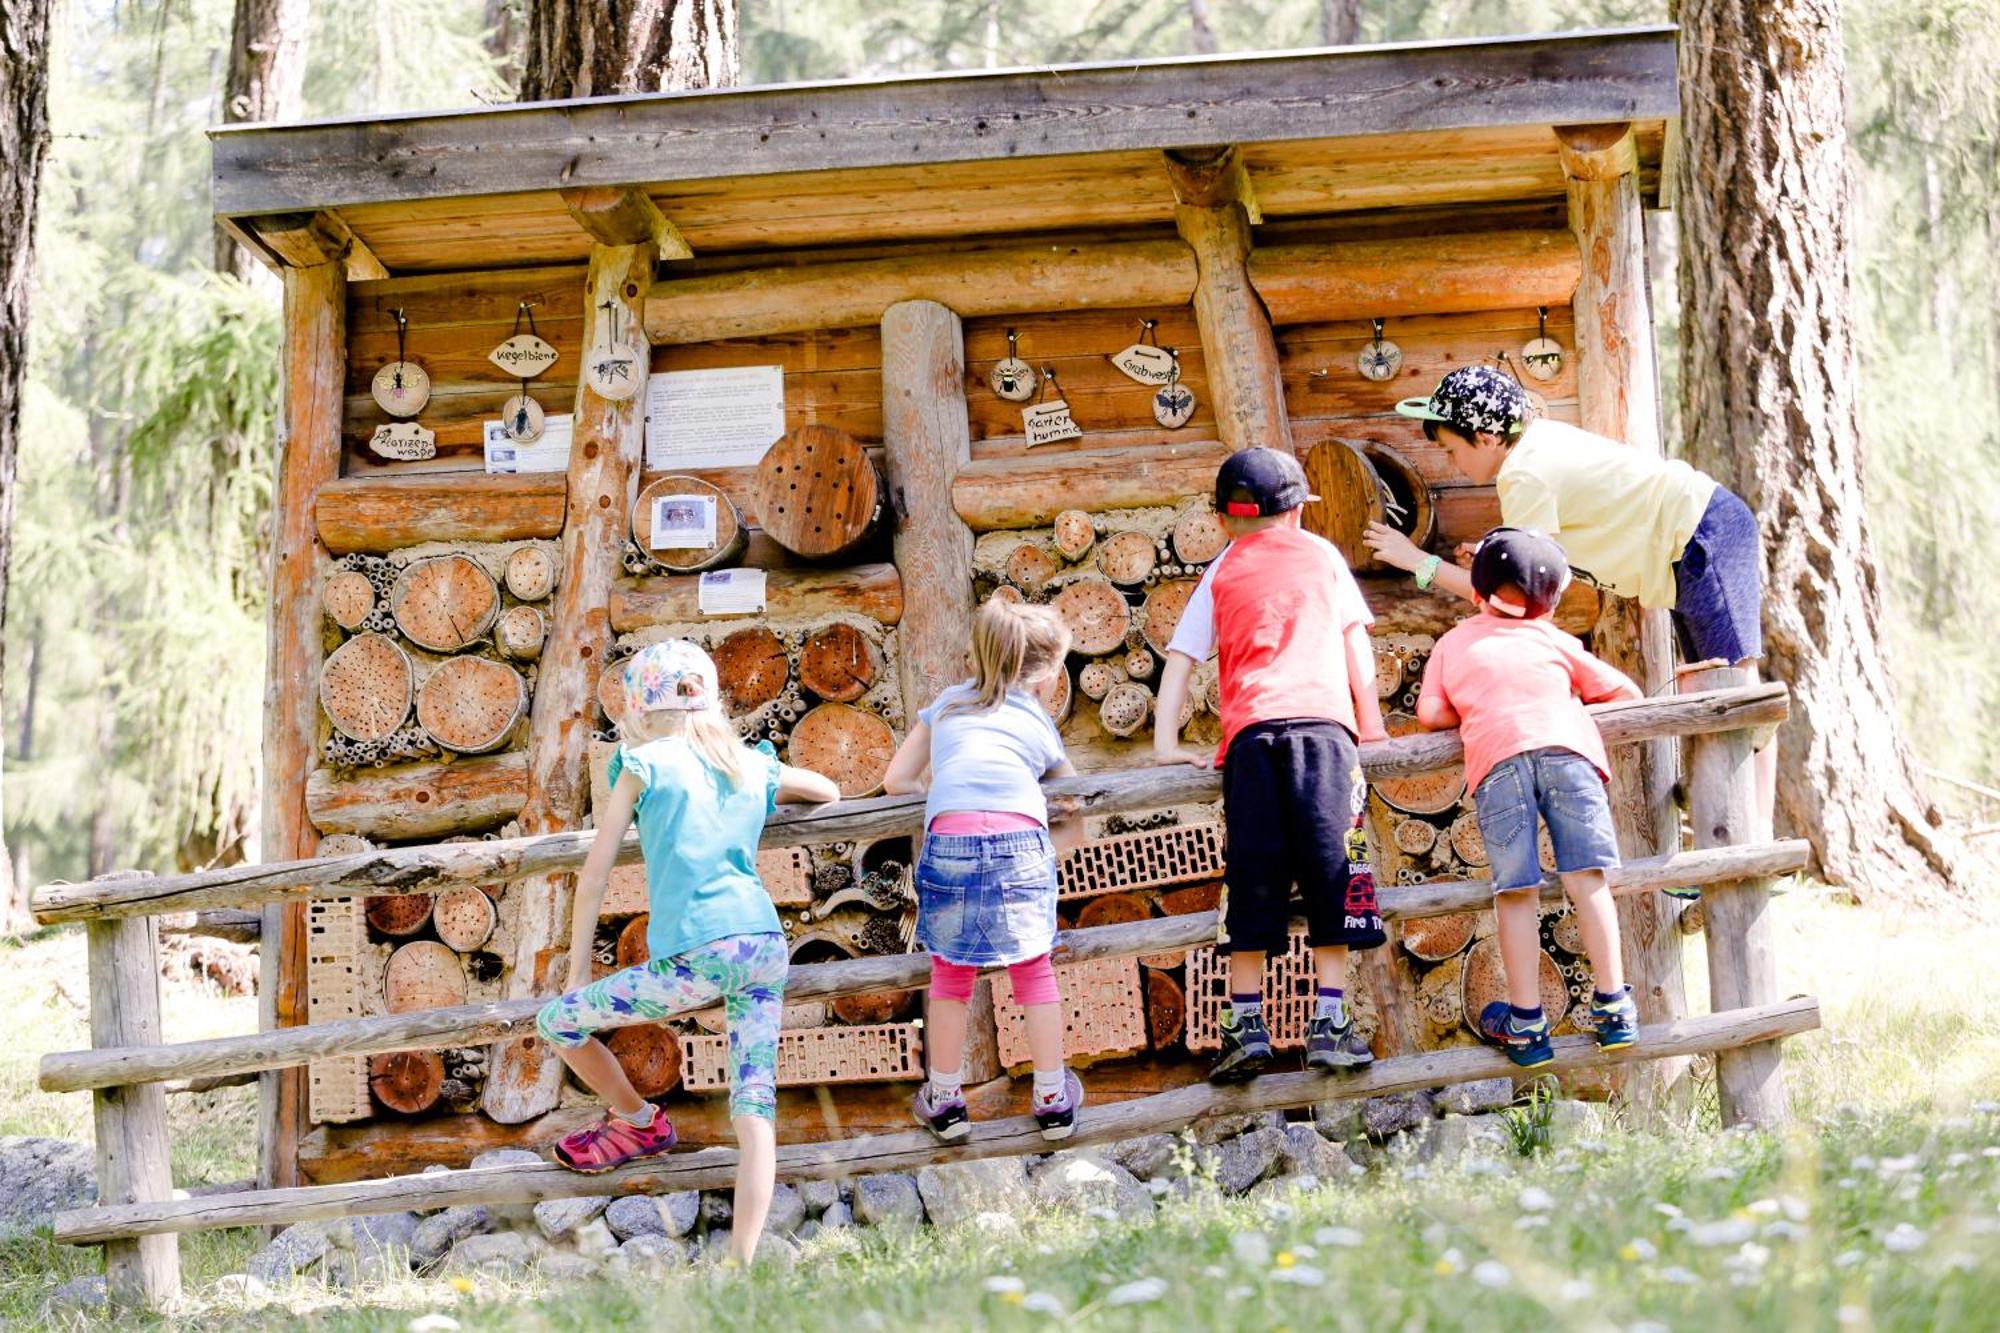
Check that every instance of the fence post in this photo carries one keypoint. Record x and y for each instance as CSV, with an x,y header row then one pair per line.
x,y
1742,956
131,1122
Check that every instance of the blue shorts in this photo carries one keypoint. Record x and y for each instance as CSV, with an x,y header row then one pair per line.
x,y
1566,790
987,898
1719,606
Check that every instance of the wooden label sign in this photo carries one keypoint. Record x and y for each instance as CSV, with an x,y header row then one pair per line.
x,y
523,356
1173,405
1045,423
1543,357
403,442
1013,379
615,371
522,419
1379,360
401,388
1145,363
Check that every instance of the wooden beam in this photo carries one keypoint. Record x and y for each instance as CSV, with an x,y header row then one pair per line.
x,y
1430,275
756,303
301,240
1598,152
875,591
461,1025
388,512
130,1123
419,800
524,1077
1238,347
999,493
626,215
714,1168
954,117
435,868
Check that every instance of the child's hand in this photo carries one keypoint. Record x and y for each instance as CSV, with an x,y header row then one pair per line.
x,y
1168,756
1369,735
1392,547
1463,553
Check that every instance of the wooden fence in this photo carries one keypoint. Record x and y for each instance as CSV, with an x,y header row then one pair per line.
x,y
137,1219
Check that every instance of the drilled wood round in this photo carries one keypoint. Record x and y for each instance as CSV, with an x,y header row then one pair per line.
x,y
1440,993
1095,679
1111,909
348,597
399,915
406,1082
366,687
730,537
1164,605
1415,836
1436,938
1096,613
520,632
1057,695
1127,558
422,975
1194,898
1030,568
1073,533
445,602
846,744
1388,672
1199,536
1125,708
1426,793
1140,663
839,663
650,1055
1566,932
470,704
866,1010
531,573
1349,499
342,844
752,669
611,690
1466,841
817,493
1166,1009
1486,981
464,918
632,949
1007,593
807,1015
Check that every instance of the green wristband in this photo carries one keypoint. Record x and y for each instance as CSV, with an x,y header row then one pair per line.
x,y
1426,570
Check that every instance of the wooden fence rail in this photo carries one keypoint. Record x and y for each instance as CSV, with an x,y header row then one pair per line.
x,y
715,1168
436,868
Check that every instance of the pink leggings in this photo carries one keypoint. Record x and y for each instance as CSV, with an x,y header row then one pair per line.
x,y
1034,981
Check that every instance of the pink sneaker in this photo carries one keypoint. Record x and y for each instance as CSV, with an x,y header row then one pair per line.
x,y
612,1142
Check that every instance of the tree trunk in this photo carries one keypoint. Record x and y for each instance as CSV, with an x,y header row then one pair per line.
x,y
1769,408
1339,22
505,38
628,46
266,81
1201,35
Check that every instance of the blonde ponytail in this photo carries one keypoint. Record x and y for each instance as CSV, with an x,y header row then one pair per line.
x,y
1012,642
707,731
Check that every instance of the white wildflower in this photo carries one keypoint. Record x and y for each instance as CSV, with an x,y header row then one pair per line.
x,y
1041,1302
1001,1285
1416,1173
1679,1276
1666,1210
1845,1183
1959,1159
1639,1250
1719,1173
1895,1166
1851,1314
1448,1263
1848,1258
1986,1108
1493,1274
1763,1208
1304,1252
1436,1234
1783,1230
1102,1214
1863,1162
1797,1209
1142,1292
1250,1249
1903,1239
1279,1211
1531,1221
1299,1275
1727,1231
1648,1326
1534,1199
1958,1261
432,1323
1483,1166
1575,1289
1344,1237
1750,1255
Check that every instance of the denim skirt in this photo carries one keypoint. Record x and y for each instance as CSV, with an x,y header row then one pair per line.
x,y
986,899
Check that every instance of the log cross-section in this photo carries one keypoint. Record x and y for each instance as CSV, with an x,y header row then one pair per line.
x,y
603,481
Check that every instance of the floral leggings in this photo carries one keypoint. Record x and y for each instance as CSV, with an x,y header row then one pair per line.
x,y
745,972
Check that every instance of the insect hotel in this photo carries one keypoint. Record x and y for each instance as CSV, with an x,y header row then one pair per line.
x,y
804,374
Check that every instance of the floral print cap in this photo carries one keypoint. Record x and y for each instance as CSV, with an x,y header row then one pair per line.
x,y
671,674
1473,399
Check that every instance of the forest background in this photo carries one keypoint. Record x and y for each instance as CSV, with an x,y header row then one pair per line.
x,y
135,639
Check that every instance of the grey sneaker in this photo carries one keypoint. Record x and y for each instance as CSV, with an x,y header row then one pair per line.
x,y
1246,1049
948,1119
1058,1118
1336,1046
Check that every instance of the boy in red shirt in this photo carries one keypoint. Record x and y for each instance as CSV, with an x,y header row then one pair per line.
x,y
1297,672
1515,686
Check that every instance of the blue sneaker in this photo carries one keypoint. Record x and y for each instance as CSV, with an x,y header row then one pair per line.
x,y
1617,1023
1526,1044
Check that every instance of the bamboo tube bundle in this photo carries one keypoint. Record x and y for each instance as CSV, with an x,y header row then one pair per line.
x,y
1030,568
846,744
366,687
349,598
520,632
1125,708
1127,558
839,663
1095,679
817,492
1073,534
1486,981
423,975
752,668
730,536
1162,613
472,704
1097,615
1440,993
530,572
445,603
1199,536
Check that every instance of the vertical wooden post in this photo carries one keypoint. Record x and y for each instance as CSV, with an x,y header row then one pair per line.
x,y
605,456
315,366
1742,955
1618,389
131,1122
1213,211
926,439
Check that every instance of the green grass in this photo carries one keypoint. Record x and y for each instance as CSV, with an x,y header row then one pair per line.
x,y
1881,1209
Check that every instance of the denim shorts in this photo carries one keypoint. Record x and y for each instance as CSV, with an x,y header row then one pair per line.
x,y
1567,791
1719,582
987,898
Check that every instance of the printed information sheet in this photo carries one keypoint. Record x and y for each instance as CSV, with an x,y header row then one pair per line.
x,y
713,418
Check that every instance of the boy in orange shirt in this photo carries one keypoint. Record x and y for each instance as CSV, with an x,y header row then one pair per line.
x,y
1515,686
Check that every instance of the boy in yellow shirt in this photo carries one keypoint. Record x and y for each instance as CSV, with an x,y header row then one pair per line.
x,y
1642,526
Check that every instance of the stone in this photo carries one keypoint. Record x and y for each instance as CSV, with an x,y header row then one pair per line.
x,y
40,1177
374,1236
499,1251
1477,1097
593,1239
340,1269
837,1215
568,1267
290,1252
1210,1132
1001,1225
1080,1179
650,1250
1339,1121
819,1195
88,1292
885,1200
1574,1119
953,1191
520,1213
1456,1138
776,1251
240,1289
436,1234
1305,1153
788,1211
807,1230
1284,1189
1246,1159
1147,1156
716,1210
556,1218
659,1215
1399,1111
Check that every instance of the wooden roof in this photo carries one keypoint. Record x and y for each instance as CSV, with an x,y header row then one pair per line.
x,y
944,156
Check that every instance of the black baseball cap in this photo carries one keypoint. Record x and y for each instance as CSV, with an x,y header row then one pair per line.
x,y
1529,560
1272,478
